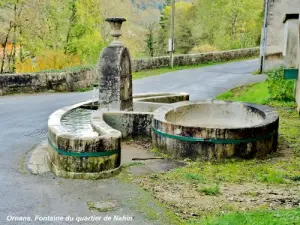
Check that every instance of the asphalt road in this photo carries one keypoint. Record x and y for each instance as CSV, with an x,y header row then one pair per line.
x,y
23,125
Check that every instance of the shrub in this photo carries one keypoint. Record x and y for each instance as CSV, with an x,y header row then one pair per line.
x,y
279,88
203,48
54,60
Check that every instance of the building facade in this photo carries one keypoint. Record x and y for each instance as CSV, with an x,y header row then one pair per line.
x,y
273,32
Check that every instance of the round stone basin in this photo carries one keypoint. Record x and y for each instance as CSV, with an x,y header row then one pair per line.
x,y
218,115
212,130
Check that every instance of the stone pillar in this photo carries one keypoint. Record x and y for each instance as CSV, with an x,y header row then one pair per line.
x,y
115,73
291,41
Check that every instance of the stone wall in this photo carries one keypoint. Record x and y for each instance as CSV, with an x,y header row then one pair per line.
x,y
193,59
72,81
39,82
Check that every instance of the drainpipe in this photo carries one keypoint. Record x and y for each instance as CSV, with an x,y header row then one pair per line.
x,y
264,37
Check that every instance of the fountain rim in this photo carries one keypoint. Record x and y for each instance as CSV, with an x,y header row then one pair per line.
x,y
56,130
270,114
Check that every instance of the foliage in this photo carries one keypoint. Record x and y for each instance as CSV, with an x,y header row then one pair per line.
x,y
11,20
43,26
222,24
150,42
49,60
203,48
229,24
76,27
279,88
184,40
85,39
73,27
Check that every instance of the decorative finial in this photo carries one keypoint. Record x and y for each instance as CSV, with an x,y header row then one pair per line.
x,y
116,24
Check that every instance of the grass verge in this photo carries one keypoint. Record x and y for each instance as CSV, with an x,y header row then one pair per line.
x,y
255,93
279,217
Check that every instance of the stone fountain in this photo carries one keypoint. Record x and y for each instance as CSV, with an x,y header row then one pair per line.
x,y
85,139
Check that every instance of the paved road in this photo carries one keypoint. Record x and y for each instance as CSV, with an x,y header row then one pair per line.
x,y
23,124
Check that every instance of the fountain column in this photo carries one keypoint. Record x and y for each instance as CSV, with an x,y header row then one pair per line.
x,y
115,73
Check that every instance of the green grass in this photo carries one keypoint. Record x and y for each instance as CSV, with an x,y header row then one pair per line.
x,y
236,171
194,177
85,89
213,190
155,72
254,93
256,72
278,217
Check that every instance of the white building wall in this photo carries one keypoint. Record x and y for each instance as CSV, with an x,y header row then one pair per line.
x,y
277,9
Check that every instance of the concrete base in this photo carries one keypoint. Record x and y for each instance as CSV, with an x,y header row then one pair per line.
x,y
38,162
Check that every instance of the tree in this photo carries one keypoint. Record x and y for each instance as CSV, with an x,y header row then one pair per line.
x,y
84,35
228,24
150,38
184,40
12,12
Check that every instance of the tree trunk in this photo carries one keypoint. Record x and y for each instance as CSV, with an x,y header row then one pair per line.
x,y
10,57
13,67
233,26
4,47
21,45
71,22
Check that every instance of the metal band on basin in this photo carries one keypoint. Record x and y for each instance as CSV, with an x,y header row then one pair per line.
x,y
214,141
84,154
